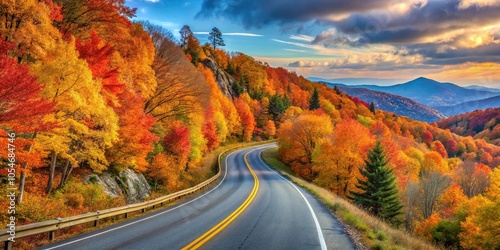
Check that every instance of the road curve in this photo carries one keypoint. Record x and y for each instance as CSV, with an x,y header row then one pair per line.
x,y
279,215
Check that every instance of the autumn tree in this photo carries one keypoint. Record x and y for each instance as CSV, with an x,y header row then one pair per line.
x,y
80,17
166,171
247,118
28,25
185,33
270,129
433,184
472,178
379,194
215,38
180,87
22,110
339,171
427,137
176,142
88,126
21,106
297,140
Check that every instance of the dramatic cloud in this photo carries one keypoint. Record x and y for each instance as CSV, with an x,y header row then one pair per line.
x,y
376,35
257,13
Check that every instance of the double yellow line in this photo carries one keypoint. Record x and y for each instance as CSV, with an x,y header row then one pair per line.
x,y
224,223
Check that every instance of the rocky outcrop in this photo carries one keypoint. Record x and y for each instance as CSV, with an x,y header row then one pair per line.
x,y
224,80
129,185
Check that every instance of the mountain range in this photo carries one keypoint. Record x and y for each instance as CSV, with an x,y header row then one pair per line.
x,y
435,98
492,102
394,103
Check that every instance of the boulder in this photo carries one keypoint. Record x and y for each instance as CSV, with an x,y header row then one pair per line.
x,y
223,79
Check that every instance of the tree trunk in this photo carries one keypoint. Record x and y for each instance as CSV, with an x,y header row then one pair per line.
x,y
52,169
21,188
23,173
64,174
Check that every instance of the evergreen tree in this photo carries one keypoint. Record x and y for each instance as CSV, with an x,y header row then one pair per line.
x,y
379,193
372,107
278,105
337,90
314,101
215,38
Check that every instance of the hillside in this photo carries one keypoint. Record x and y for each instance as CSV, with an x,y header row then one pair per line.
x,y
492,102
432,93
480,124
394,103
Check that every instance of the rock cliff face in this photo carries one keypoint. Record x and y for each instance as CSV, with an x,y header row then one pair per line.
x,y
224,80
129,185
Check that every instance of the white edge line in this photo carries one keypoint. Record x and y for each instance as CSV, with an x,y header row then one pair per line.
x,y
316,222
152,216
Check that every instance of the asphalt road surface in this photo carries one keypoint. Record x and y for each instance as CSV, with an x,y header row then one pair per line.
x,y
252,207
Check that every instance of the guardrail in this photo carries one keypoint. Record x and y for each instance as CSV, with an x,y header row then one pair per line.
x,y
51,226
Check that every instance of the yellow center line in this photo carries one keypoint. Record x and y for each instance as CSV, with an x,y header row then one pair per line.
x,y
224,223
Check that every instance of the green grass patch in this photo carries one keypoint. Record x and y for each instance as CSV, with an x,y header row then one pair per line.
x,y
270,156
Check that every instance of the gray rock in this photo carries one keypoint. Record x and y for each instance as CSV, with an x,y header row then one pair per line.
x,y
128,185
136,186
223,79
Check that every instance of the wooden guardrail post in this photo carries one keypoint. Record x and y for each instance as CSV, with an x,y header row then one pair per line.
x,y
8,245
52,235
96,222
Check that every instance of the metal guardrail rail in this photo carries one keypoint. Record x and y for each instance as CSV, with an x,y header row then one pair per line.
x,y
51,226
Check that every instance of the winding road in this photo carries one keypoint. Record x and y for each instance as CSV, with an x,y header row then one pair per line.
x,y
252,207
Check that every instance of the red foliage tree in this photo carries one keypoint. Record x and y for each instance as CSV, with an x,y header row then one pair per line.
x,y
209,130
439,147
247,118
177,141
97,54
22,108
451,146
427,137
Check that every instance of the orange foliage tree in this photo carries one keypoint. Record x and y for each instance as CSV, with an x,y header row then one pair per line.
x,y
337,159
297,140
247,118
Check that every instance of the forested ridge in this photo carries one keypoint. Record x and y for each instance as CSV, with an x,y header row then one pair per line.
x,y
86,90
480,124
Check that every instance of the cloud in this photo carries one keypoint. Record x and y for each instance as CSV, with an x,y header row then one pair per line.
x,y
229,34
152,1
464,4
296,50
375,35
281,12
302,38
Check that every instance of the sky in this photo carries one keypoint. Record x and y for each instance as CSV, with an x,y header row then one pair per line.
x,y
447,40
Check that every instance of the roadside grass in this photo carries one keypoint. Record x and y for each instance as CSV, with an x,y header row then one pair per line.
x,y
373,232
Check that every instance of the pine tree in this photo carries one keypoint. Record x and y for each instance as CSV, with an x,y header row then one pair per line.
x,y
379,193
314,101
372,107
215,38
